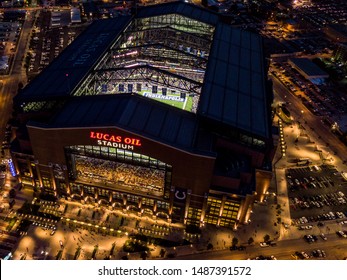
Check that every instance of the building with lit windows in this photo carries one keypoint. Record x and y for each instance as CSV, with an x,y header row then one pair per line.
x,y
164,113
340,53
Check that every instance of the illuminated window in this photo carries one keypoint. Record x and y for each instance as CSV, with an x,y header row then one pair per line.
x,y
212,211
163,205
89,190
226,222
75,188
111,165
62,186
117,195
132,198
46,182
194,215
230,210
103,192
147,201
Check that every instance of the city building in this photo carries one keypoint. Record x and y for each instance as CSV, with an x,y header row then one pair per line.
x,y
4,63
165,113
308,70
75,15
340,53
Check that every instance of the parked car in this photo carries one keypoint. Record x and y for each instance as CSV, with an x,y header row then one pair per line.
x,y
306,256
341,234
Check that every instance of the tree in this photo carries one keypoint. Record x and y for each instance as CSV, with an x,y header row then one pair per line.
x,y
250,241
20,85
65,208
162,252
12,193
171,255
77,253
113,248
234,241
266,238
144,255
193,229
96,247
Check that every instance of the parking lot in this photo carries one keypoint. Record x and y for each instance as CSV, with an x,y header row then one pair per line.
x,y
48,42
321,100
316,194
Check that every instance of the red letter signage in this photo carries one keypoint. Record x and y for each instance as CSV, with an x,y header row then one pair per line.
x,y
116,141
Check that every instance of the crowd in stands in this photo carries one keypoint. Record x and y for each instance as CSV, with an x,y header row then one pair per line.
x,y
120,173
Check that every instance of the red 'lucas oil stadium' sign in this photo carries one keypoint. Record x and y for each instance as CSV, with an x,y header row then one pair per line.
x,y
116,141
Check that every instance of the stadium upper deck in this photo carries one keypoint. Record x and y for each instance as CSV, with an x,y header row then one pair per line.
x,y
176,53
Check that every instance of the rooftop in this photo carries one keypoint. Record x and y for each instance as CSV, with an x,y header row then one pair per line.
x,y
137,114
234,89
181,8
308,67
71,66
233,92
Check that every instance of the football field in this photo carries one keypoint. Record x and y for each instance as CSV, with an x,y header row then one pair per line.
x,y
186,104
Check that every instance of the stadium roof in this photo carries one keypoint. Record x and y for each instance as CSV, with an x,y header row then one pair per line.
x,y
184,9
234,90
71,66
134,113
308,67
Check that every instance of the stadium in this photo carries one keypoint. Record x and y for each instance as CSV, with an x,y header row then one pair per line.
x,y
165,113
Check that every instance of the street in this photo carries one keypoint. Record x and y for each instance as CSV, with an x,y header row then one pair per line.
x,y
16,74
309,121
335,247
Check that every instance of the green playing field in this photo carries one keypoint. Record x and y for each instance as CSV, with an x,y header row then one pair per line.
x,y
187,105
